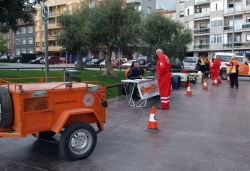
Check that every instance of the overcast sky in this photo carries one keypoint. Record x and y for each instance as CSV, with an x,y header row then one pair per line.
x,y
166,4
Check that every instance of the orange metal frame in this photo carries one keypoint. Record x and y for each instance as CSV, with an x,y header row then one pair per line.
x,y
52,106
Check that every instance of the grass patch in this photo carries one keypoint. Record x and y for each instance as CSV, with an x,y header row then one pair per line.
x,y
86,75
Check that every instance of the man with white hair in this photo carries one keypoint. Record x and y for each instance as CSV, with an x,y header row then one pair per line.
x,y
164,78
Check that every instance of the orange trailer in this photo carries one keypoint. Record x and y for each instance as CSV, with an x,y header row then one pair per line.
x,y
45,109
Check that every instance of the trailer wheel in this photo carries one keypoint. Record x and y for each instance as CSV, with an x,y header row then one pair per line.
x,y
78,141
6,108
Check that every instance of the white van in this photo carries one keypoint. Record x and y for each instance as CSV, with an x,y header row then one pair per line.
x,y
244,64
190,63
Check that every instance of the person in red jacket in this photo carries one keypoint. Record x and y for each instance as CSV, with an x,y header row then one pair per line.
x,y
213,71
218,63
164,78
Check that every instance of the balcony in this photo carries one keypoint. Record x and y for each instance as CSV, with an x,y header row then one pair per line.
x,y
198,2
237,45
237,27
202,31
52,37
54,14
200,16
246,26
54,48
54,25
238,10
201,46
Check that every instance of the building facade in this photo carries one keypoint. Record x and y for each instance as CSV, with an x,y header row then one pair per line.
x,y
24,39
56,7
214,22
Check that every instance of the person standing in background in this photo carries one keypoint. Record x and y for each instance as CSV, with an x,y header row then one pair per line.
x,y
234,75
217,64
201,64
213,71
207,66
164,79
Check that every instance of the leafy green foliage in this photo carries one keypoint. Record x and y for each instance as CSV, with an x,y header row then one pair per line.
x,y
165,33
12,11
75,34
2,43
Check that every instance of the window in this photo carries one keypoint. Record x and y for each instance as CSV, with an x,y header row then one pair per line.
x,y
38,34
17,41
216,38
187,11
248,37
248,2
37,44
69,7
8,45
23,30
91,3
231,5
24,41
203,25
64,9
18,31
186,24
37,23
216,23
181,13
248,20
30,30
181,1
30,50
149,10
79,6
17,51
23,50
30,40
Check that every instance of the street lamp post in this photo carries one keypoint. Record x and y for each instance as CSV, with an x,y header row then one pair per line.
x,y
233,28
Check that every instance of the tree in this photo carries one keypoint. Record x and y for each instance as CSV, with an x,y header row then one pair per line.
x,y
12,11
75,34
2,43
114,25
163,32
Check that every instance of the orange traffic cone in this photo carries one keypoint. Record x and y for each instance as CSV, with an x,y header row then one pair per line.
x,y
215,82
228,79
189,92
152,123
205,85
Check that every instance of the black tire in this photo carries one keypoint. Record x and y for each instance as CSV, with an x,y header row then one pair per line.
x,y
6,108
142,62
81,133
45,134
223,75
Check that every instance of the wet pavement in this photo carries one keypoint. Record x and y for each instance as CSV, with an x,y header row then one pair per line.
x,y
209,131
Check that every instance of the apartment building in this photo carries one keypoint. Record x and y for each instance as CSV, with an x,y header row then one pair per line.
x,y
24,38
9,37
168,13
214,22
56,7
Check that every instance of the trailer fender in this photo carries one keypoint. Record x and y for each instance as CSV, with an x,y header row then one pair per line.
x,y
65,116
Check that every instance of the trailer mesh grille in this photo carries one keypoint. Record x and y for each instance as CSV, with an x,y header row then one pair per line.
x,y
35,104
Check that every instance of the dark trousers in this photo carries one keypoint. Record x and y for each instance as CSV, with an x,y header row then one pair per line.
x,y
234,80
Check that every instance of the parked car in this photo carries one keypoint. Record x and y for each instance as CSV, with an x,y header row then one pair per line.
x,y
36,61
190,63
95,62
118,62
3,57
27,57
84,61
128,63
51,60
102,63
176,65
146,61
63,60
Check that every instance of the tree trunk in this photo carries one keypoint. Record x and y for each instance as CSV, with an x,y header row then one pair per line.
x,y
79,58
108,68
